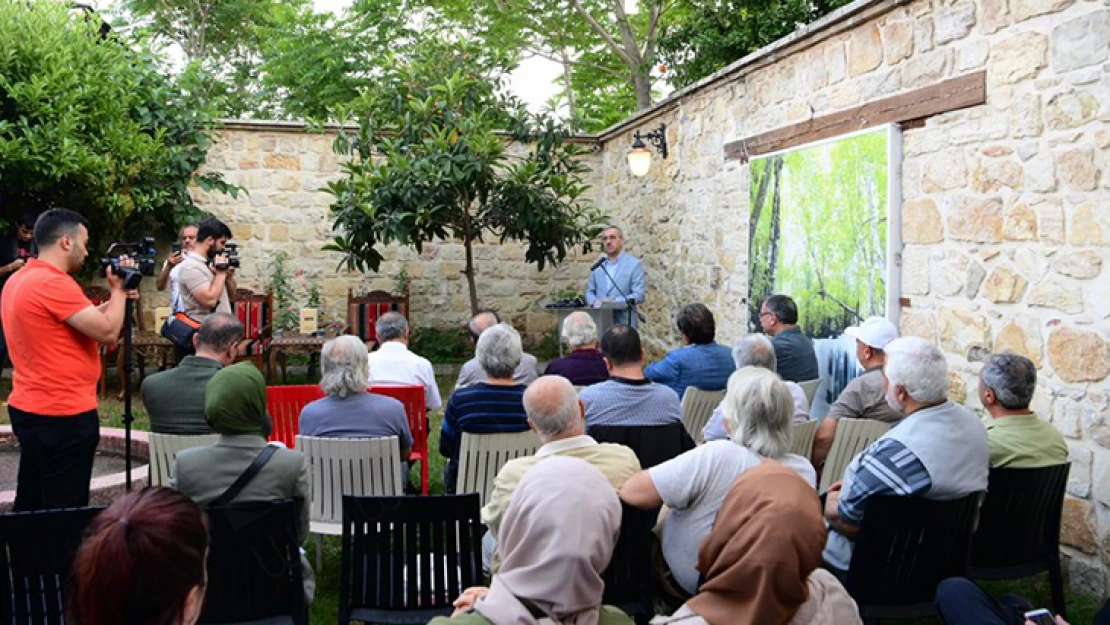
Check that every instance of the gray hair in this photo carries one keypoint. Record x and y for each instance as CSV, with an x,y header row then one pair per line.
x,y
218,331
919,367
579,329
551,404
1012,377
344,366
760,411
755,350
391,326
499,351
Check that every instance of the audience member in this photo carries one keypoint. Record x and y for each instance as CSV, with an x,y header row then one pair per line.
x,y
486,407
584,365
758,411
778,315
349,411
471,372
175,398
938,451
235,405
553,553
864,397
627,397
761,561
393,363
961,602
700,362
558,418
1017,438
755,350
143,562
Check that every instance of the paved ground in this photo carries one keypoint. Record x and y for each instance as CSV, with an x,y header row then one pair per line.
x,y
9,466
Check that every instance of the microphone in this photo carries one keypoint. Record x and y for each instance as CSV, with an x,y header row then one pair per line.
x,y
597,263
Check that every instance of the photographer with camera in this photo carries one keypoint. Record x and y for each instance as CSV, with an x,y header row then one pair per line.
x,y
53,331
206,279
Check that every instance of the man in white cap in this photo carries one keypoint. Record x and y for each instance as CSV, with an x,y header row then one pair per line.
x,y
864,397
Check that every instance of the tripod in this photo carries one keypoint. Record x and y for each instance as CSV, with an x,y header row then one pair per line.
x,y
125,380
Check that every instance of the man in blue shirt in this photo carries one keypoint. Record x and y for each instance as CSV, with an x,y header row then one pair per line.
x,y
627,275
700,362
778,315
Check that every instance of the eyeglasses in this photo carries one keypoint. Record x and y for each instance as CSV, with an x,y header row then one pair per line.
x,y
764,314
610,238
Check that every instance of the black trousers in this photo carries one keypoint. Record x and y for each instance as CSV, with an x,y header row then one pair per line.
x,y
55,459
961,602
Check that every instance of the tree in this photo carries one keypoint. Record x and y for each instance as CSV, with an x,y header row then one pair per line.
x,y
428,162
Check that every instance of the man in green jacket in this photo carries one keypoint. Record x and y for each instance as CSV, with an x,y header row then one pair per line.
x,y
1017,438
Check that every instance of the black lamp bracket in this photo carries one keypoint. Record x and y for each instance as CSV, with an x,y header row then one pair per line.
x,y
657,138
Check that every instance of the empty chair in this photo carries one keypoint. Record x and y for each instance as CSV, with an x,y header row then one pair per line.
x,y
852,437
697,406
802,438
653,444
810,388
628,581
481,456
163,451
284,405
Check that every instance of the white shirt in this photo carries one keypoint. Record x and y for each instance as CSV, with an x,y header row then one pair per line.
x,y
175,290
393,363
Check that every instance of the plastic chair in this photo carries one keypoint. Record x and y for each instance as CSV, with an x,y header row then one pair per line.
x,y
905,548
405,559
254,565
697,407
412,396
481,456
628,578
852,437
164,449
1019,527
284,404
809,387
653,444
801,441
36,554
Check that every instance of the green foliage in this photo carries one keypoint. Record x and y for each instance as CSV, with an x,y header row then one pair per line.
x,y
314,300
547,349
285,314
442,345
402,283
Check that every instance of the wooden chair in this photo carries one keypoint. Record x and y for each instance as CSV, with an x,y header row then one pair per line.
x,y
164,449
284,405
363,311
697,407
256,312
852,437
481,456
412,396
809,387
802,438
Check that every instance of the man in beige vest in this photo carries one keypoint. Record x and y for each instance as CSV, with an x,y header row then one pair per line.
x,y
559,419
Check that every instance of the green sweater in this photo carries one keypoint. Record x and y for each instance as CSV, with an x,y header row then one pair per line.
x,y
609,615
175,398
1024,442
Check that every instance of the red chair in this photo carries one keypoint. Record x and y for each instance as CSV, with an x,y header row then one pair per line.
x,y
284,403
255,312
412,396
363,311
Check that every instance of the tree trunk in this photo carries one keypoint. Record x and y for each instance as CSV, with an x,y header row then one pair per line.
x,y
468,245
641,82
569,87
760,198
776,227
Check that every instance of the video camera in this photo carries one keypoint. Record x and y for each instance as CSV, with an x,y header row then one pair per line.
x,y
142,252
231,251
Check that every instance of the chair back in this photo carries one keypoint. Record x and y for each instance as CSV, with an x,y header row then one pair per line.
x,y
412,396
254,564
697,407
164,449
905,548
481,456
628,578
809,387
852,436
255,312
405,559
653,444
801,438
284,404
36,554
349,466
363,311
1019,523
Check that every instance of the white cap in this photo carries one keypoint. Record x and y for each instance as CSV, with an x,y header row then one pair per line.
x,y
874,332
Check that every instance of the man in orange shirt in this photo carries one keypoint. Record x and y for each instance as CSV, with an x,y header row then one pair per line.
x,y
53,331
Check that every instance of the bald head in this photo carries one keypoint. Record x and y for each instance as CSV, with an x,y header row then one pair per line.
x,y
481,322
553,408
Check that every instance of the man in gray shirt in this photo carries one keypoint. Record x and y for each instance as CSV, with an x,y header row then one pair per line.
x,y
471,372
778,315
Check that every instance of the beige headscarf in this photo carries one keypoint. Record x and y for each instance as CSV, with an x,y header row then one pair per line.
x,y
557,536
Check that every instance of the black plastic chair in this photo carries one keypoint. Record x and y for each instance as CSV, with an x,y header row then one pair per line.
x,y
1019,527
653,444
628,580
905,547
36,553
254,564
406,559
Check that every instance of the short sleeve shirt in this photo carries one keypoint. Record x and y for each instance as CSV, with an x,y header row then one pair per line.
x,y
56,367
193,274
360,415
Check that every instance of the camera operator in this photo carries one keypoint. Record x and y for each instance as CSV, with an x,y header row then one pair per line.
x,y
15,249
206,280
53,331
169,275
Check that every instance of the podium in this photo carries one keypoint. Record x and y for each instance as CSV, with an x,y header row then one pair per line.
x,y
602,316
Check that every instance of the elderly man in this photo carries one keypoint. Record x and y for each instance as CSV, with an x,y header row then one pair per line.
x,y
584,365
349,411
755,350
700,362
938,451
778,315
1017,438
558,417
864,397
627,397
490,407
471,372
622,276
393,363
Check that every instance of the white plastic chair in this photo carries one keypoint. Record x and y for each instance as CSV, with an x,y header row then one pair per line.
x,y
697,407
852,436
801,441
481,456
163,450
809,387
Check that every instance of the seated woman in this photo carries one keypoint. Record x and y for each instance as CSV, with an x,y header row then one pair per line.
x,y
759,412
552,552
142,561
761,560
235,406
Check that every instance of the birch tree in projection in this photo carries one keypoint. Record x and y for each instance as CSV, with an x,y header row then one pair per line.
x,y
818,232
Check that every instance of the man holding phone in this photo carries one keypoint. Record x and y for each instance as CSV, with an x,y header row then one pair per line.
x,y
187,238
961,601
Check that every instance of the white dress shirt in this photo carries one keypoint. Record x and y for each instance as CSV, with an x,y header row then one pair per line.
x,y
393,363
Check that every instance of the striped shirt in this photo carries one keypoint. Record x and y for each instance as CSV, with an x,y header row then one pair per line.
x,y
480,408
621,401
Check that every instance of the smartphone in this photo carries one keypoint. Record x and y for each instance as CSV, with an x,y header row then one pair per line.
x,y
1040,617
175,248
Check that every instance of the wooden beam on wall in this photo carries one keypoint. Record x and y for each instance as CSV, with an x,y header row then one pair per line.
x,y
950,95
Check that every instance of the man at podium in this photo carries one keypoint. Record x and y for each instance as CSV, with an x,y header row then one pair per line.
x,y
616,277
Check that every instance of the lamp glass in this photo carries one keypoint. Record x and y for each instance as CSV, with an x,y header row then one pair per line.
x,y
639,161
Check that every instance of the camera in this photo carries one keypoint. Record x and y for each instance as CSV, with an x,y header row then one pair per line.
x,y
142,252
231,251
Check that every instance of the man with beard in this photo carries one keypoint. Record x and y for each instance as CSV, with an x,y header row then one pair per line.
x,y
205,279
15,250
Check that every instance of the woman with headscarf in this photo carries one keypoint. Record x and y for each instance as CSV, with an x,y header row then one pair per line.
x,y
557,536
761,560
235,407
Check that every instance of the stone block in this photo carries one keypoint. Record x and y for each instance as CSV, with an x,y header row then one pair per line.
x,y
921,222
1081,42
1051,221
995,15
1025,117
923,35
1078,356
975,275
944,172
961,330
949,275
1075,529
1020,224
915,270
1079,478
282,161
1090,225
897,41
975,219
1070,109
1040,173
836,63
865,50
1030,263
1025,9
1077,169
957,387
921,323
955,23
1083,264
995,174
1052,294
1018,57
1021,335
1004,285
926,69
972,55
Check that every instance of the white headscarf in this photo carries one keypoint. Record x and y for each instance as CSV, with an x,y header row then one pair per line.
x,y
557,536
